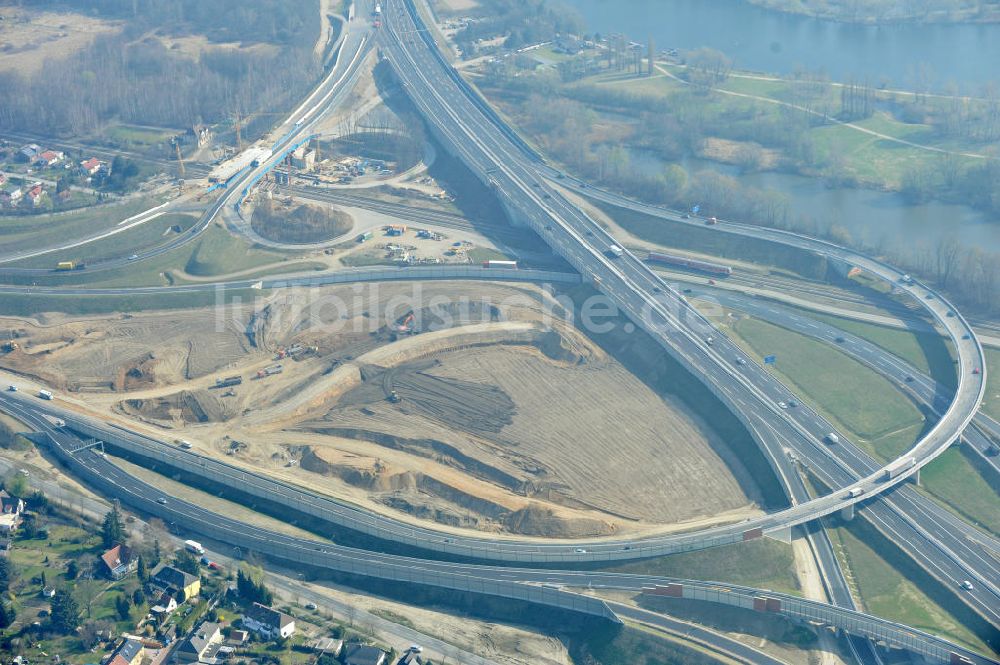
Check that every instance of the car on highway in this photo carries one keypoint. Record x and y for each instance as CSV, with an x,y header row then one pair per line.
x,y
976,370
741,361
793,403
782,405
133,257
966,336
839,340
311,606
710,341
162,501
580,550
950,314
908,379
12,388
967,585
832,438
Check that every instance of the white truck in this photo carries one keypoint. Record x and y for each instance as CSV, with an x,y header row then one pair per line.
x,y
898,467
194,546
854,493
45,394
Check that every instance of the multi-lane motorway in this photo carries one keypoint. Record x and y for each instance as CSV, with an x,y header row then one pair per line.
x,y
536,586
935,538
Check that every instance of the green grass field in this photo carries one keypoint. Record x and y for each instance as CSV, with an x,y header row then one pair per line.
x,y
138,135
954,480
32,232
853,396
145,236
762,563
926,351
886,592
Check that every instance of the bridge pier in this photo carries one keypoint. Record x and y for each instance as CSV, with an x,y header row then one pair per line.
x,y
847,513
783,535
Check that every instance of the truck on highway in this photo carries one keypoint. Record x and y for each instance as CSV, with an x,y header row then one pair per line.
x,y
66,265
615,252
898,467
506,265
45,394
854,493
194,546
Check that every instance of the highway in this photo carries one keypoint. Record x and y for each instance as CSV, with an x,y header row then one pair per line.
x,y
535,586
356,42
750,391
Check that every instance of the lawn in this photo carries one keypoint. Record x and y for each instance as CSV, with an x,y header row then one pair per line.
x,y
928,352
144,236
32,232
481,254
138,135
219,252
637,645
855,397
886,592
953,479
762,563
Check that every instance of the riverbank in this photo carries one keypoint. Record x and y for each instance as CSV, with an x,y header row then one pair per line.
x,y
874,12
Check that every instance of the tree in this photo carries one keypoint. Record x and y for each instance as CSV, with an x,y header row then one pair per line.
x,y
187,562
72,570
123,606
138,597
29,526
16,484
142,572
65,612
113,530
7,574
156,553
7,614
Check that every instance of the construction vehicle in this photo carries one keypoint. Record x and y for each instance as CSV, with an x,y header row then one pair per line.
x,y
405,325
228,381
394,397
366,236
712,221
11,346
270,370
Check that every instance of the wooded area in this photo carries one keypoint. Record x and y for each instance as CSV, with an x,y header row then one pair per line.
x,y
132,77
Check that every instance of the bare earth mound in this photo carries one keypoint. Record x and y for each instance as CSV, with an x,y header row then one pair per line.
x,y
299,225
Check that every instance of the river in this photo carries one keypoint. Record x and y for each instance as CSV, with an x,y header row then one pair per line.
x,y
774,42
768,41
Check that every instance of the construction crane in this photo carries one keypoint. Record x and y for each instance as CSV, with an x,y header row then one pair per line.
x,y
180,158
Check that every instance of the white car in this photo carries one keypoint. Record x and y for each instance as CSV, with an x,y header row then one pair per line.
x,y
12,388
580,550
967,585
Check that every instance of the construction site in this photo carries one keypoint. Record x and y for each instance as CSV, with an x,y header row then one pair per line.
x,y
479,413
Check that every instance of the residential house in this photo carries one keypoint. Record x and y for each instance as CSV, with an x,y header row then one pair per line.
x,y
327,646
10,197
11,508
268,622
363,654
29,152
184,585
129,652
35,195
165,604
90,166
201,646
238,637
48,158
120,561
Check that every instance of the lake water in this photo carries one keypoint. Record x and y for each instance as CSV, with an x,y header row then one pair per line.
x,y
774,42
768,41
870,216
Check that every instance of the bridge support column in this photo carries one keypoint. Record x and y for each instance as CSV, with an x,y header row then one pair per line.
x,y
783,535
915,478
847,514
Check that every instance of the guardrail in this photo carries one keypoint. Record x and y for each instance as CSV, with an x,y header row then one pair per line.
x,y
332,557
